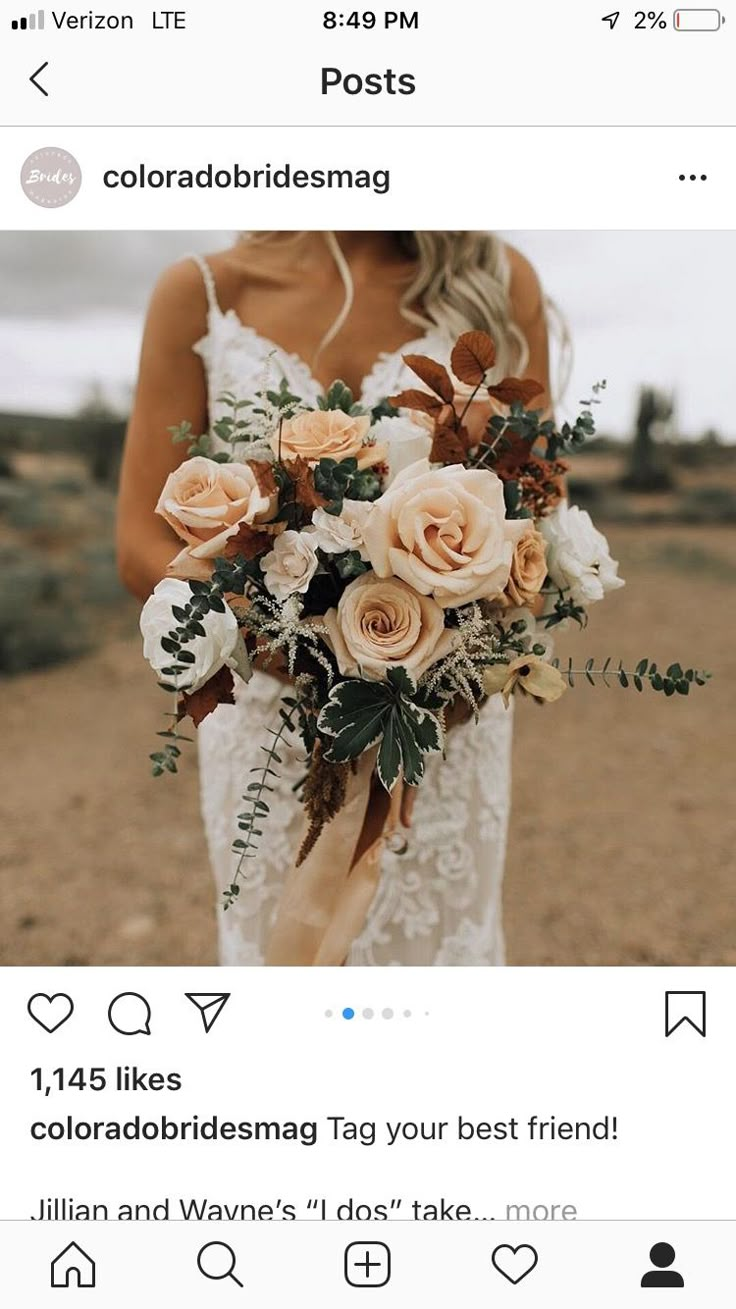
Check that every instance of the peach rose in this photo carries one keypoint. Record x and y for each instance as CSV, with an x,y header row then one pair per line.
x,y
528,568
205,503
384,624
445,532
327,434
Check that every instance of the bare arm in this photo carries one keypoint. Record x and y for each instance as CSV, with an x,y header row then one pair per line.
x,y
171,388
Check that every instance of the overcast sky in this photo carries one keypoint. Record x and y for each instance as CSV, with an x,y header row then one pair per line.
x,y
652,307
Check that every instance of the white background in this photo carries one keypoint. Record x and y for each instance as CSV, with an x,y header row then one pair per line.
x,y
485,1044
526,61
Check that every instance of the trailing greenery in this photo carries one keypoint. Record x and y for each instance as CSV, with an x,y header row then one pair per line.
x,y
675,680
256,806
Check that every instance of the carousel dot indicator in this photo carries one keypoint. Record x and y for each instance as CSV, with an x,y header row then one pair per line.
x,y
368,1013
387,1013
348,1013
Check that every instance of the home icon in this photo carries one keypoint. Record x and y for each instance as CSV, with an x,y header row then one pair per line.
x,y
72,1267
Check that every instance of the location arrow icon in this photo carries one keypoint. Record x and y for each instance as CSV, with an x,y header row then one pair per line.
x,y
611,19
32,79
210,1005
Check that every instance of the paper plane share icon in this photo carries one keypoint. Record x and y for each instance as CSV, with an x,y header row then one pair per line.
x,y
210,1005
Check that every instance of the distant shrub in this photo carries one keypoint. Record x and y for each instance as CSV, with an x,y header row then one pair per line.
x,y
707,504
40,623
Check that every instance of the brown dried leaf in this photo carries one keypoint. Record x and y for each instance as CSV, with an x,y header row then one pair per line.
x,y
411,399
303,478
433,375
473,356
248,542
510,457
265,475
449,446
513,390
219,690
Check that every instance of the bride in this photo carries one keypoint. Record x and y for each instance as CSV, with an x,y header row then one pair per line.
x,y
311,307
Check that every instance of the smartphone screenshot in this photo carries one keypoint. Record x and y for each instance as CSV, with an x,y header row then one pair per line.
x,y
367,908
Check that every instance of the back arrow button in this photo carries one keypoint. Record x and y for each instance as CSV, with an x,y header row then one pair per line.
x,y
32,79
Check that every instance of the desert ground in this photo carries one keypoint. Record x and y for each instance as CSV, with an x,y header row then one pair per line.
x,y
623,830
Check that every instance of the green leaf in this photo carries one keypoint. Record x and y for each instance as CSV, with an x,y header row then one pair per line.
x,y
339,396
426,726
411,754
402,681
389,756
355,716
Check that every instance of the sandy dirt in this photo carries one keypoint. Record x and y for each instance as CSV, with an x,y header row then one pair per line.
x,y
623,830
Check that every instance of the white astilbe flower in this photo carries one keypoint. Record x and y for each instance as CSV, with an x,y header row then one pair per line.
x,y
477,643
282,631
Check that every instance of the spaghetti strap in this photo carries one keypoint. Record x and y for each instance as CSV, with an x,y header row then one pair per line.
x,y
209,283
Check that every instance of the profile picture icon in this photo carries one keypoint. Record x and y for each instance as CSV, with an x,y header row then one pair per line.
x,y
662,1256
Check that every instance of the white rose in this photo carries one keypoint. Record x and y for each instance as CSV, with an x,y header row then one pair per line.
x,y
337,533
291,565
578,558
221,645
406,441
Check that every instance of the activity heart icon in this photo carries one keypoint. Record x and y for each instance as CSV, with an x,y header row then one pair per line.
x,y
50,1011
514,1262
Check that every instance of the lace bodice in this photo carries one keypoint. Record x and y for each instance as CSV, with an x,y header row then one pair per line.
x,y
440,902
238,359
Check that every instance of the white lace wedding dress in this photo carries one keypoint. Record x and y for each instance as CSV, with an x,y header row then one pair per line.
x,y
440,901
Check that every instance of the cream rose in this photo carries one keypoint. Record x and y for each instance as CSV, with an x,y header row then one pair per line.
x,y
445,532
338,533
291,565
205,503
384,624
406,442
528,568
327,434
221,644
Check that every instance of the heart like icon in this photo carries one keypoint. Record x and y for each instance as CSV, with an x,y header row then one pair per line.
x,y
50,1011
514,1262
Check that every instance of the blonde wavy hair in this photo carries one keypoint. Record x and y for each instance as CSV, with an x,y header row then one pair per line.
x,y
460,283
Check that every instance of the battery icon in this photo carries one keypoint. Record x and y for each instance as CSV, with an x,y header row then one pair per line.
x,y
698,20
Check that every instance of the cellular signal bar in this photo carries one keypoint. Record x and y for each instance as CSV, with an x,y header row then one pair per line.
x,y
33,23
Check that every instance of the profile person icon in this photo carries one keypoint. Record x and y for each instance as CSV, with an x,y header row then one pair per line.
x,y
662,1256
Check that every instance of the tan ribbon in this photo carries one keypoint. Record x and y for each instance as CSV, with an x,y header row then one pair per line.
x,y
325,902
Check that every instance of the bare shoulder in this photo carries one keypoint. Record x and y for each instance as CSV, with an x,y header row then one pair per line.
x,y
525,290
178,304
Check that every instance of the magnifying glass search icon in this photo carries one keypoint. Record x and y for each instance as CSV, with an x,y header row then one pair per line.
x,y
216,1260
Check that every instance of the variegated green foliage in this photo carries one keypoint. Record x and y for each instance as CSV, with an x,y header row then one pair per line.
x,y
360,714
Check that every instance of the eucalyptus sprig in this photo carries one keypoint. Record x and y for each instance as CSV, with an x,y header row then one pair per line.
x,y
674,680
256,806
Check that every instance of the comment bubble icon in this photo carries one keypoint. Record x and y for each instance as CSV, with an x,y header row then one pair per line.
x,y
130,1014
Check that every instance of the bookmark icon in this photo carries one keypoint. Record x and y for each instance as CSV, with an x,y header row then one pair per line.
x,y
210,1005
684,1009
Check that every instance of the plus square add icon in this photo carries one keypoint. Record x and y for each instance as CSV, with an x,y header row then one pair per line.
x,y
367,1264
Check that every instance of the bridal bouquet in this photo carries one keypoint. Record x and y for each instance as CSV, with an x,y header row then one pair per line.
x,y
397,568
